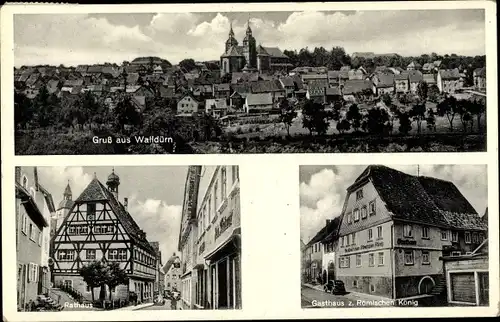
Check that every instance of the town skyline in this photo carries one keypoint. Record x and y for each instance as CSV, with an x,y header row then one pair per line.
x,y
98,38
155,205
323,189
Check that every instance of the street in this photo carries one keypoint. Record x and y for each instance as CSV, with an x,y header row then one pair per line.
x,y
313,298
166,306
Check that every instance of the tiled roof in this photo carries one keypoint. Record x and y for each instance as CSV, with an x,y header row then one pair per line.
x,y
332,91
333,74
167,92
402,76
132,78
244,77
385,80
415,76
234,51
32,79
329,230
96,191
266,86
421,199
479,72
275,52
52,85
449,73
222,87
356,86
220,103
169,263
287,81
259,99
73,82
429,78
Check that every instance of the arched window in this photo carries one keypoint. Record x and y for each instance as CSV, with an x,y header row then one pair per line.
x,y
25,182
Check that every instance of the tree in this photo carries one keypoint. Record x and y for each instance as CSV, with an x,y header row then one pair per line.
x,y
387,100
114,276
287,114
463,109
417,113
126,113
376,121
477,108
23,112
448,107
422,91
354,117
314,118
433,93
94,275
404,123
430,120
187,64
343,125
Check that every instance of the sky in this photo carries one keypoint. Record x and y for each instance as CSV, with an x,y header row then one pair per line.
x,y
323,189
155,195
72,39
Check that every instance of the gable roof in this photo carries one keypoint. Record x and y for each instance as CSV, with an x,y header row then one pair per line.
x,y
222,87
327,232
449,73
415,76
385,80
421,199
287,81
353,86
73,82
265,86
96,191
429,78
259,99
275,52
233,51
479,72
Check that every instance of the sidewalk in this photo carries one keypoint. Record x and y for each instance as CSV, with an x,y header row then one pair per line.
x,y
135,307
319,287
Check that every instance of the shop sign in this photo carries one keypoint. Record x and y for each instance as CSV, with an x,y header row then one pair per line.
x,y
363,247
406,242
223,225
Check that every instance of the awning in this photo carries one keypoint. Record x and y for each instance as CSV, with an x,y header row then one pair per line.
x,y
231,243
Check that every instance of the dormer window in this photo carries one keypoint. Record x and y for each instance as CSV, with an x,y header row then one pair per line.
x,y
359,194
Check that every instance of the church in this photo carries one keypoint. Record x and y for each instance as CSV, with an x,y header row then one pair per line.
x,y
251,58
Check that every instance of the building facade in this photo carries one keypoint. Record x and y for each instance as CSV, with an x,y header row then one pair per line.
x,y
34,208
392,248
212,279
99,227
172,274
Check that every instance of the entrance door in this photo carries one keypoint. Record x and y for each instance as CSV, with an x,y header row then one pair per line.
x,y
484,289
22,293
223,286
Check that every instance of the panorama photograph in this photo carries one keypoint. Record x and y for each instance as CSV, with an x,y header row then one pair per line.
x,y
250,82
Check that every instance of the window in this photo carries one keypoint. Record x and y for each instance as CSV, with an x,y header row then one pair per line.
x,y
356,214
372,288
91,211
456,253
349,218
379,232
364,212
354,238
408,257
344,262
342,241
122,254
358,260
481,237
234,173
425,232
381,259
216,195
90,254
407,231
467,237
40,234
474,238
355,283
32,232
454,236
25,224
371,207
113,254
359,194
444,235
223,182
370,234
426,257
348,242
371,260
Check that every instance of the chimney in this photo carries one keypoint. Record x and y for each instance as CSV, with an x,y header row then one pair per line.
x,y
125,203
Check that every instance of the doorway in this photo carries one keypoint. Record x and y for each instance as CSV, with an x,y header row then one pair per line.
x,y
222,284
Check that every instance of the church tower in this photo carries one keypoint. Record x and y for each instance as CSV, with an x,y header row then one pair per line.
x,y
250,48
62,210
231,41
113,183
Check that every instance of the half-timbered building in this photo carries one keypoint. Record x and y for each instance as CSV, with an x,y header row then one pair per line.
x,y
99,227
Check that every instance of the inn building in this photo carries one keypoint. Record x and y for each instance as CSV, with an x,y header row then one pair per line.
x,y
99,227
210,239
396,227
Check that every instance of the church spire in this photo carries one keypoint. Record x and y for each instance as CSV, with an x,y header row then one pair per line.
x,y
231,32
67,192
249,30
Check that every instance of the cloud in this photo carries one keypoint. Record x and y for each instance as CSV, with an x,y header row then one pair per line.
x,y
61,176
175,36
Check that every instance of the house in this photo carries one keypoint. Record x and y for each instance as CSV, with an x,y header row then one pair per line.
x,y
34,81
308,78
33,209
139,90
332,94
159,278
449,80
171,271
329,245
383,83
396,70
356,74
414,78
430,79
467,277
414,66
237,101
353,88
288,85
402,241
100,226
158,70
479,75
70,83
211,264
167,92
258,102
401,82
216,107
221,90
333,78
428,67
188,104
132,79
273,86
53,86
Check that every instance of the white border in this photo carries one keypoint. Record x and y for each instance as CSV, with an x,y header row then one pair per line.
x,y
269,187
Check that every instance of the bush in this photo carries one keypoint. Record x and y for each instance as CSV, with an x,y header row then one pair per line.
x,y
239,130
